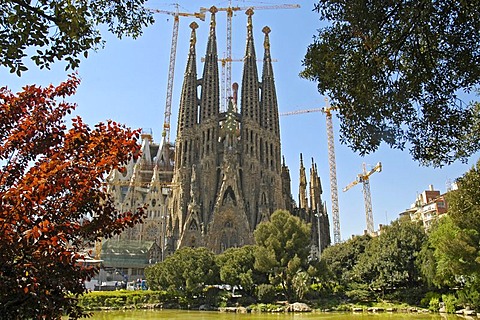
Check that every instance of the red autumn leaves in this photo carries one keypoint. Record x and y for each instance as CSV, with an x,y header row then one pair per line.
x,y
54,203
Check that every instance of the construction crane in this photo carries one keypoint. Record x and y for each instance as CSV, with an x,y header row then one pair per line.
x,y
364,178
171,67
331,164
228,59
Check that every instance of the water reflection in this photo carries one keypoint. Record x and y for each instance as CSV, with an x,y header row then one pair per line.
x,y
202,315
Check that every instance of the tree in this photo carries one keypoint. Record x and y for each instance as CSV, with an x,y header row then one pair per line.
x,y
455,239
464,203
341,258
389,263
395,69
53,203
282,249
186,272
237,268
452,253
63,30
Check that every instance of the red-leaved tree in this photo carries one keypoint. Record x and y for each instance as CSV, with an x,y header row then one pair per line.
x,y
53,203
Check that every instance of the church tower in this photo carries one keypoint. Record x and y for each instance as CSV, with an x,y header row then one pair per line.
x,y
228,174
223,176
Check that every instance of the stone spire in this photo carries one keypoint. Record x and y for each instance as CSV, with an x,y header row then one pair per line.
x,y
250,86
315,188
189,100
302,193
269,105
210,97
286,186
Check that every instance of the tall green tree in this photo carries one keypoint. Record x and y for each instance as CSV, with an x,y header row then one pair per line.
x,y
341,258
282,249
454,253
186,272
394,70
455,240
50,30
237,268
389,263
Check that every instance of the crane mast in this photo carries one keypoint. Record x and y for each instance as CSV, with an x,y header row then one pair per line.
x,y
171,75
364,178
333,173
171,67
331,164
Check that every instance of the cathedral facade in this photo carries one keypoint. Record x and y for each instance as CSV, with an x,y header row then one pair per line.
x,y
225,173
228,170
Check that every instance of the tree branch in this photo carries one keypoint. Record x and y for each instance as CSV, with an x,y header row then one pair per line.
x,y
36,10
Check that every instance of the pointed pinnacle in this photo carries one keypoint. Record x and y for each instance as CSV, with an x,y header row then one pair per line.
x,y
249,13
193,38
266,42
213,10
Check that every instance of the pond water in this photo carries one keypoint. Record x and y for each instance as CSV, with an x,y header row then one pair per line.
x,y
213,315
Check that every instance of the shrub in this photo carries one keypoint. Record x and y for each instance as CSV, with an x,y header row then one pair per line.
x,y
434,304
425,302
136,300
450,302
266,293
470,294
121,298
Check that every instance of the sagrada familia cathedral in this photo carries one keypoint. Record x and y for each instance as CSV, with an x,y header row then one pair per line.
x,y
223,176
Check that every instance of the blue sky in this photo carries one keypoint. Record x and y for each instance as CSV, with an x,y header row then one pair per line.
x,y
126,81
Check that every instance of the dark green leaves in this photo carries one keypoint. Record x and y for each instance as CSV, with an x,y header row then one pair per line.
x,y
63,30
186,272
282,249
395,69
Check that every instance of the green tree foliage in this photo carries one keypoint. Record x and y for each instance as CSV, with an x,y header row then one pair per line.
x,y
464,203
341,258
237,268
282,249
186,272
389,261
470,294
51,30
454,242
394,70
453,253
53,203
266,293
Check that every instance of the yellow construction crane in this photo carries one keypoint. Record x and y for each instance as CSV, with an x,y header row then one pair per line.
x,y
228,59
364,178
327,110
171,67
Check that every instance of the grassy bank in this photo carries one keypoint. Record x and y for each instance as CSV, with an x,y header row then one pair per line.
x,y
123,299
